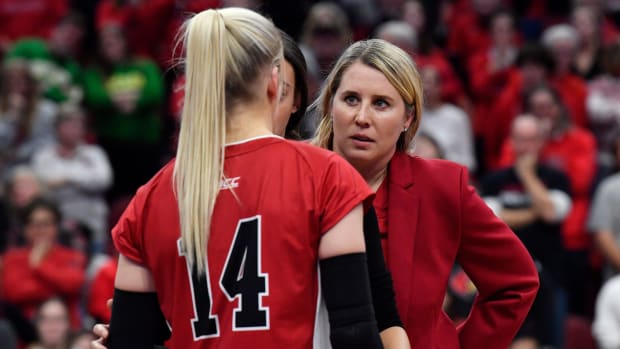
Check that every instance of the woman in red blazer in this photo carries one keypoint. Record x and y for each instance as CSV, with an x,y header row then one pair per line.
x,y
429,216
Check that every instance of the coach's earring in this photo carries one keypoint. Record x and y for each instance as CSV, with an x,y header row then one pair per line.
x,y
404,129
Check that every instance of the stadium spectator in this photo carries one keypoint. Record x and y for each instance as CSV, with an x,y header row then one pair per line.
x,y
572,150
53,325
124,94
53,61
42,269
26,120
29,18
76,174
562,40
534,199
447,123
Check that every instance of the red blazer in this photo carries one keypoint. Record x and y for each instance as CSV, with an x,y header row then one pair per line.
x,y
434,220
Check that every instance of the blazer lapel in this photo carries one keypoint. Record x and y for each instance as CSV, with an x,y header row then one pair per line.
x,y
403,209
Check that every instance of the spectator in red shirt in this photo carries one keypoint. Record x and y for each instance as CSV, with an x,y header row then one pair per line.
x,y
535,67
42,269
562,40
469,31
588,60
152,25
572,150
490,71
493,119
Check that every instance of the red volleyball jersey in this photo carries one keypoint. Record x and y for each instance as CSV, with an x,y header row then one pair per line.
x,y
261,284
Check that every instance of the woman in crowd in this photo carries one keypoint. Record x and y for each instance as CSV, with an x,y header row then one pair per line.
x,y
42,269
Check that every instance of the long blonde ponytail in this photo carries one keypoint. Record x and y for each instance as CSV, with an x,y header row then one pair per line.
x,y
225,52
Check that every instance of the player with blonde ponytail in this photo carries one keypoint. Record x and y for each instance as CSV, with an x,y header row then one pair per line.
x,y
223,246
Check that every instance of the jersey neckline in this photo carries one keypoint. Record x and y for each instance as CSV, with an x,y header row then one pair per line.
x,y
250,144
247,140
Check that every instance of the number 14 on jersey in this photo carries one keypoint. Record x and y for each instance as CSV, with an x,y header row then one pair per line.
x,y
241,278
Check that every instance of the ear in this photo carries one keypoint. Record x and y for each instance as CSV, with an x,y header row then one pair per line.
x,y
273,86
296,103
409,118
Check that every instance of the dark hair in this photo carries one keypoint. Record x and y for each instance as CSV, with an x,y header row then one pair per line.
x,y
293,55
611,59
36,204
564,120
534,53
53,299
73,18
26,120
503,13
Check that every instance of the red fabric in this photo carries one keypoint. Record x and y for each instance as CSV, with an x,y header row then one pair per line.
x,y
102,289
501,99
61,273
574,92
176,97
436,219
579,333
574,153
609,32
158,25
486,84
494,115
466,36
29,18
451,89
298,191
152,26
109,12
380,204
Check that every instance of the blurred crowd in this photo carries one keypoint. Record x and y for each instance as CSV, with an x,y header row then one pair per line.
x,y
525,94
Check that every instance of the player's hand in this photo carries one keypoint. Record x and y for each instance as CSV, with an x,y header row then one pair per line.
x,y
102,331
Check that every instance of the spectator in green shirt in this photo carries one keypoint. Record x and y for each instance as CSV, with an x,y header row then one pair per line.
x,y
124,95
53,61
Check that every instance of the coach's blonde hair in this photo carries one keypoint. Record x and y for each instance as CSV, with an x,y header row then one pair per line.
x,y
398,68
227,52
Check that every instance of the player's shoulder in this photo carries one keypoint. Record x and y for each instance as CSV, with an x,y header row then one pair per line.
x,y
160,182
311,152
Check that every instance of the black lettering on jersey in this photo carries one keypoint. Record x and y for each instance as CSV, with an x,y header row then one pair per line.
x,y
241,278
204,324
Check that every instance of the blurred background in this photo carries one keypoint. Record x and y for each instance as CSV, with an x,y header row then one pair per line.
x,y
91,93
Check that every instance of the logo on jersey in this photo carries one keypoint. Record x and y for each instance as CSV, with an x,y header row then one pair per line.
x,y
229,183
